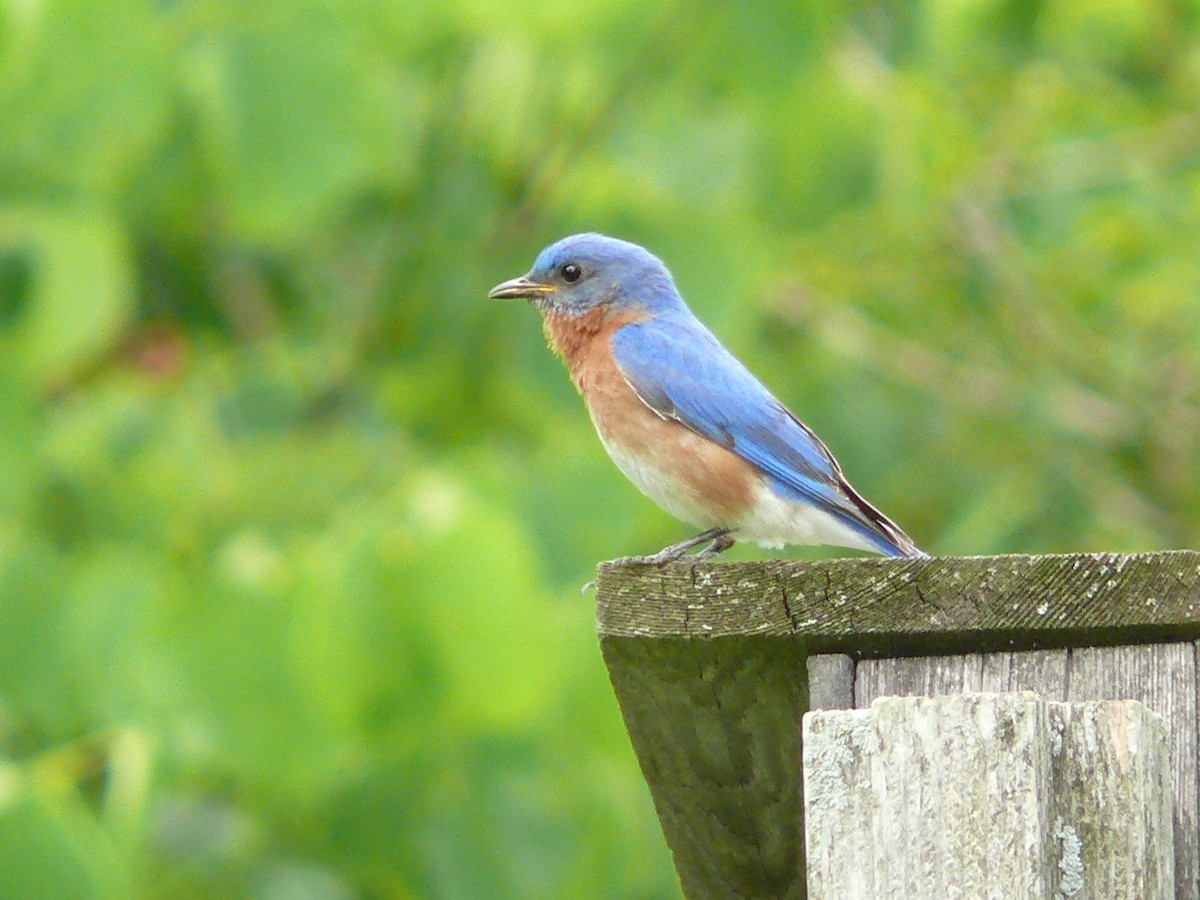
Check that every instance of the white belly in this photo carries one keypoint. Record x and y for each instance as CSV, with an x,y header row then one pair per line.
x,y
774,521
770,521
660,487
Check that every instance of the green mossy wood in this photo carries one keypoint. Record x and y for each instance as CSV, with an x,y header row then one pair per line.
x,y
709,662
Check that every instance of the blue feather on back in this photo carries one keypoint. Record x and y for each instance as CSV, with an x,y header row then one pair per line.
x,y
682,371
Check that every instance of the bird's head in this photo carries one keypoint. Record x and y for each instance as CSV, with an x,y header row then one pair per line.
x,y
585,272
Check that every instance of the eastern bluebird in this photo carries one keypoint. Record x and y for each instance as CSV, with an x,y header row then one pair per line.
x,y
681,417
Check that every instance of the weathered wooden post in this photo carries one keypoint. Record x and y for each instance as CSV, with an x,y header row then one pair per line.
x,y
716,665
982,794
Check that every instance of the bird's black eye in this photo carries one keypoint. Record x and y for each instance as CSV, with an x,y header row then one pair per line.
x,y
570,272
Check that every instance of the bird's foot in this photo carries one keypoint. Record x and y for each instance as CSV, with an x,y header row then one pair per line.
x,y
721,541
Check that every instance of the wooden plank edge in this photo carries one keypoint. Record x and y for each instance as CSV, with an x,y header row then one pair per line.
x,y
882,606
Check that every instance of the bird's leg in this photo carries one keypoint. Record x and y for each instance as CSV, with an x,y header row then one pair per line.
x,y
721,541
719,537
720,544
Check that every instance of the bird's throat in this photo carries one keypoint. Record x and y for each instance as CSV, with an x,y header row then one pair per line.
x,y
583,342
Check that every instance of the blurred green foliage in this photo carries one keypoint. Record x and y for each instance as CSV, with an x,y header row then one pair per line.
x,y
292,521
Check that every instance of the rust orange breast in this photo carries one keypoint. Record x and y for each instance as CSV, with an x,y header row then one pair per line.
x,y
690,476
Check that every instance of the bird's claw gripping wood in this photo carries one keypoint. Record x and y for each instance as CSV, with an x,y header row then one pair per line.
x,y
720,543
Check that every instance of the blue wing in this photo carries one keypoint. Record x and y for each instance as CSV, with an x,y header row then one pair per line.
x,y
681,371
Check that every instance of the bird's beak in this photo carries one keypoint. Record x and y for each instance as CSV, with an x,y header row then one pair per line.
x,y
523,288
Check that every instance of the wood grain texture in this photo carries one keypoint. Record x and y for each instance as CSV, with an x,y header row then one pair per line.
x,y
830,681
987,795
915,676
1042,671
893,606
898,804
1161,676
1111,801
716,727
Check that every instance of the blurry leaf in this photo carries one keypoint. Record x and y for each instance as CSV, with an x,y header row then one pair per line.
x,y
19,417
246,709
114,630
82,293
1125,34
83,91
429,614
994,515
35,675
472,575
297,881
52,848
299,115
